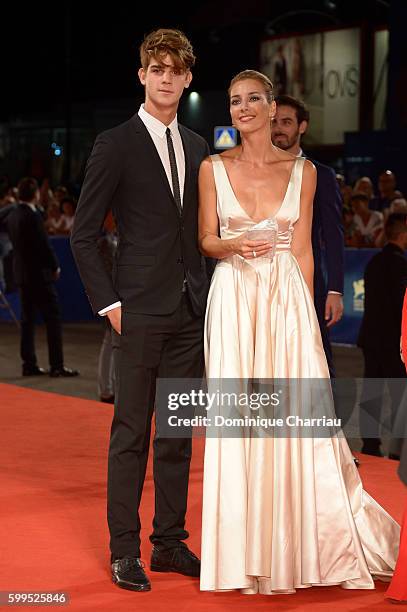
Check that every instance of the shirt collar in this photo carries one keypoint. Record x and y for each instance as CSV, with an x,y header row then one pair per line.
x,y
30,204
155,125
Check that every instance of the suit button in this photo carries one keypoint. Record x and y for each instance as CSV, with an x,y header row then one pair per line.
x,y
180,260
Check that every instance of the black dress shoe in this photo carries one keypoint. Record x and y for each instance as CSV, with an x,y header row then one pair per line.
x,y
394,456
180,560
107,399
66,372
371,448
128,573
356,461
33,371
375,452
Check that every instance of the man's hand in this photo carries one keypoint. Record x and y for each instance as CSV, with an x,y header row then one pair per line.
x,y
333,309
115,318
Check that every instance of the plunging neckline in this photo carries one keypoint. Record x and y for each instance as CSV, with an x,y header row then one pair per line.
x,y
241,207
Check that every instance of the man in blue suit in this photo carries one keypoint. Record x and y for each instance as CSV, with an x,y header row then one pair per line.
x,y
289,124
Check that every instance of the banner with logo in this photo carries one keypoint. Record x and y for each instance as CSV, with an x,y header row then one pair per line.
x,y
323,69
75,306
381,51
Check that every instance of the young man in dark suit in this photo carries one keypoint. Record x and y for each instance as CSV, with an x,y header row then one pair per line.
x,y
145,171
289,124
35,269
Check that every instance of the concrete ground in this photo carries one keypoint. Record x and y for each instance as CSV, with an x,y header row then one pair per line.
x,y
81,348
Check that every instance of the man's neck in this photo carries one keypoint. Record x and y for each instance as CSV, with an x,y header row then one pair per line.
x,y
295,149
165,115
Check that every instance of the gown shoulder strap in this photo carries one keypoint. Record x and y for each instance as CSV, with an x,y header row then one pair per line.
x,y
297,183
219,170
298,170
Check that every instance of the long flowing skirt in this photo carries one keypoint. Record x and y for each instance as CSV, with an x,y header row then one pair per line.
x,y
281,513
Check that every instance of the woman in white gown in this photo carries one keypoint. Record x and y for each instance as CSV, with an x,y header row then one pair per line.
x,y
279,513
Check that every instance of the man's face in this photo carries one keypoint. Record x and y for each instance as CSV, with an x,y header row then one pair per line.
x,y
164,82
404,241
59,194
387,183
286,132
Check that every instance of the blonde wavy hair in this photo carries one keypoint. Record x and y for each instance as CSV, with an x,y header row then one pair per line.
x,y
256,76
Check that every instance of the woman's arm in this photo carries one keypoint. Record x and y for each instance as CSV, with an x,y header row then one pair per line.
x,y
209,242
301,246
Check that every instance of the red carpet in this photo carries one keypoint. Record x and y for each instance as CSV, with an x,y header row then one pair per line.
x,y
53,527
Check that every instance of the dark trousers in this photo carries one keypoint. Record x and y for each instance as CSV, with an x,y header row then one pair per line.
x,y
150,346
381,366
319,301
42,298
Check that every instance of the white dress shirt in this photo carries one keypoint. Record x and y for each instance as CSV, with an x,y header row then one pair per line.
x,y
157,130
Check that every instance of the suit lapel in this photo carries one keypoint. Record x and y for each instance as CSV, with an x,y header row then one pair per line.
x,y
148,144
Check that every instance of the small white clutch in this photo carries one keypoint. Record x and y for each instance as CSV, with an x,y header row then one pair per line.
x,y
265,230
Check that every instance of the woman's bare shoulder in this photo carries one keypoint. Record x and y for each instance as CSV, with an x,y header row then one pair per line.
x,y
206,170
206,162
309,177
309,168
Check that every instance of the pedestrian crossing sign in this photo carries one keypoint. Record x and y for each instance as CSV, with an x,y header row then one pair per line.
x,y
225,137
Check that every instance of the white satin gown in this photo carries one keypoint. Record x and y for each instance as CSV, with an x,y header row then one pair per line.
x,y
279,514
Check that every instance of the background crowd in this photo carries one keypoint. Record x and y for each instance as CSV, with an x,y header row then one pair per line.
x,y
366,206
57,205
365,210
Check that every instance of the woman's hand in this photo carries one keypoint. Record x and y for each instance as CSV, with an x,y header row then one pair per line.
x,y
249,249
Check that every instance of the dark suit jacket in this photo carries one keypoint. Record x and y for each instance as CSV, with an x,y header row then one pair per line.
x,y
157,245
327,233
34,260
385,284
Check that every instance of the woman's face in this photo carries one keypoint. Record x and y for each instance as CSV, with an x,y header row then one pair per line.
x,y
68,209
53,211
360,206
249,108
364,185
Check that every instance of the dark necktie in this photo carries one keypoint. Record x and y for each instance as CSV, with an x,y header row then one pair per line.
x,y
174,171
